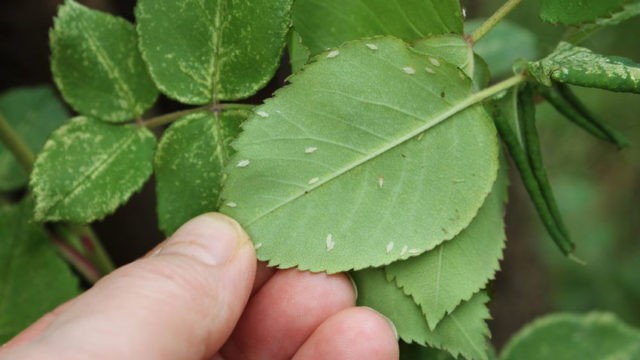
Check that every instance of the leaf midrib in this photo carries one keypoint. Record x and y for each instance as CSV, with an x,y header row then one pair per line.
x,y
453,110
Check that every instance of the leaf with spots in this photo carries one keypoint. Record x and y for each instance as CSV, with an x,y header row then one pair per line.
x,y
580,66
189,163
33,113
88,168
462,332
591,336
347,166
97,66
201,51
452,48
33,279
575,12
326,24
442,278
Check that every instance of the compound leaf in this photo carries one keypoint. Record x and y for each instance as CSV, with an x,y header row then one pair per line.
x,y
97,66
464,331
580,66
201,51
189,164
326,24
442,278
88,168
568,336
33,113
574,12
33,279
352,164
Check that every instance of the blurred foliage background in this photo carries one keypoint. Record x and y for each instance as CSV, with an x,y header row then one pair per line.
x,y
597,186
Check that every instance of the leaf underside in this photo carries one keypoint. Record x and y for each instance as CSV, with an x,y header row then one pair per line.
x,y
574,12
88,168
201,51
97,66
33,113
592,336
464,331
339,172
189,162
33,279
580,66
440,279
324,24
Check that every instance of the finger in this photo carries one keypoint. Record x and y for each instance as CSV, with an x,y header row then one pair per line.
x,y
181,302
354,333
288,308
263,274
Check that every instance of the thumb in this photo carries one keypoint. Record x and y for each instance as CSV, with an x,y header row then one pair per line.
x,y
181,301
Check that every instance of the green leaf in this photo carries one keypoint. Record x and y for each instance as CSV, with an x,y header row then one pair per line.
x,y
464,331
514,116
212,50
33,279
442,278
574,12
627,12
348,159
326,24
580,66
567,103
33,113
189,163
298,53
419,352
593,336
88,168
97,66
503,45
453,49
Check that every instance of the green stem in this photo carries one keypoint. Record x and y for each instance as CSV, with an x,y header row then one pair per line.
x,y
171,117
491,22
79,262
16,145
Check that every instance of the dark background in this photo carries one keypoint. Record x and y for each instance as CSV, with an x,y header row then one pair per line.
x,y
598,187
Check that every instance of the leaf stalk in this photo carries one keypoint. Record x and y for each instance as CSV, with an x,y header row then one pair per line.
x,y
491,22
16,145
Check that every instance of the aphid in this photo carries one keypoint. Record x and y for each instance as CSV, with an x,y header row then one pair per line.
x,y
310,149
314,180
414,251
372,46
329,242
404,250
257,246
263,114
231,204
429,70
380,181
390,246
333,54
409,70
434,61
243,163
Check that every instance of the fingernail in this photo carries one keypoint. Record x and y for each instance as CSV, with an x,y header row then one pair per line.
x,y
355,287
210,238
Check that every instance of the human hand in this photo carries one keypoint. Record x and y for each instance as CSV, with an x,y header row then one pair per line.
x,y
202,295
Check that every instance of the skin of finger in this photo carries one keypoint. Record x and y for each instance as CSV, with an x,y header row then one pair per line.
x,y
166,306
263,274
355,333
286,310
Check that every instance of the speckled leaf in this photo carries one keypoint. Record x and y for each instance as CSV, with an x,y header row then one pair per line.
x,y
298,53
88,168
33,279
442,278
503,45
348,159
97,66
574,12
593,336
326,24
580,66
189,163
451,48
199,51
33,113
464,331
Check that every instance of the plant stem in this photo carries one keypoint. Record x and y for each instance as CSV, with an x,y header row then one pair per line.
x,y
94,250
79,262
171,117
495,89
16,145
491,22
